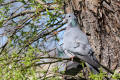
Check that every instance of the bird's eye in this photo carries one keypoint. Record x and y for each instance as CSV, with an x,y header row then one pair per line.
x,y
69,16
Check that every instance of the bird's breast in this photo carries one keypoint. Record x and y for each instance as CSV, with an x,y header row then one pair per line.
x,y
69,38
72,35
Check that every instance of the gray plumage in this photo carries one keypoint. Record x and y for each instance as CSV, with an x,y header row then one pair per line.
x,y
76,42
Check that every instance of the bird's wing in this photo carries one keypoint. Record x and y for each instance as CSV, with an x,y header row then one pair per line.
x,y
83,50
80,47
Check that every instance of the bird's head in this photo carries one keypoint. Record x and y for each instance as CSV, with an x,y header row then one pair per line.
x,y
70,19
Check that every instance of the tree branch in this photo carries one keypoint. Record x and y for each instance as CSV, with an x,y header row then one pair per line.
x,y
3,4
24,13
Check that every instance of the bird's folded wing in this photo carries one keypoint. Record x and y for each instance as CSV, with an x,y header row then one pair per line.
x,y
80,48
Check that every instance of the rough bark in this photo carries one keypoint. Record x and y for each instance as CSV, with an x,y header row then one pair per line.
x,y
100,20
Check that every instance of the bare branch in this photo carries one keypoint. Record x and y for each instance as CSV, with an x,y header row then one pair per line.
x,y
3,4
24,13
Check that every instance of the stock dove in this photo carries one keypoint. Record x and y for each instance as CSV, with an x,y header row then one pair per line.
x,y
76,44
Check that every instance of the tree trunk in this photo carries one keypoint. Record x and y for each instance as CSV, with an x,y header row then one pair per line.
x,y
100,20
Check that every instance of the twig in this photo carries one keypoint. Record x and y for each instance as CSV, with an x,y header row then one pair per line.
x,y
19,27
47,71
24,13
8,3
40,36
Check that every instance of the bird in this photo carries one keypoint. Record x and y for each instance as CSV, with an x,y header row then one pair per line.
x,y
76,44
